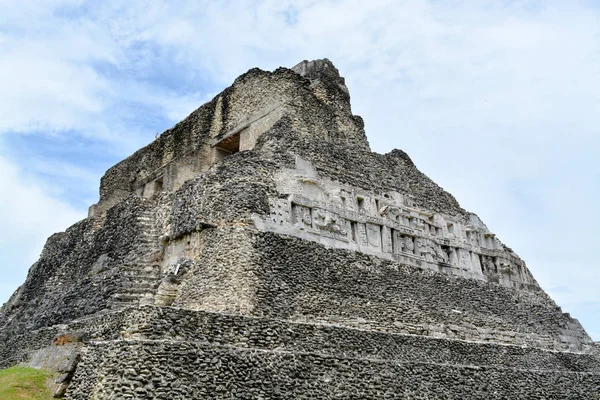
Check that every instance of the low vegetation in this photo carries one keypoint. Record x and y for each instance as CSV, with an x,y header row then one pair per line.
x,y
19,383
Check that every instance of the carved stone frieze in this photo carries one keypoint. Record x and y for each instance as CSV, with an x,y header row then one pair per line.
x,y
385,225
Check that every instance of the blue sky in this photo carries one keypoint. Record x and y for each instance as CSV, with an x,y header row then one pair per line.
x,y
497,101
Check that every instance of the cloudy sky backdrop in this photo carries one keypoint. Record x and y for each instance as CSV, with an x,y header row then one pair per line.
x,y
497,101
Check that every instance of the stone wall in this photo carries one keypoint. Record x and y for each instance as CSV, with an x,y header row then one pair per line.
x,y
241,113
293,279
174,344
388,225
166,323
85,269
175,324
19,347
157,323
300,133
298,263
181,142
182,370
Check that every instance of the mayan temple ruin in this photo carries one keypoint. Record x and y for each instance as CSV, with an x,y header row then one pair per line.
x,y
259,250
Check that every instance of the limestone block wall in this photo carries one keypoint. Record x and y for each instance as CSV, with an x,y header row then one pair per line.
x,y
251,106
387,224
236,188
174,324
160,323
240,186
326,82
82,270
254,94
184,139
170,352
150,369
341,160
22,346
297,280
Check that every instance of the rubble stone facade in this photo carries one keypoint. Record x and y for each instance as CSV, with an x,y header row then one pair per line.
x,y
259,249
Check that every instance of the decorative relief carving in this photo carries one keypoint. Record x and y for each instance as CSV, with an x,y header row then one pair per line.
x,y
389,225
345,230
386,235
362,234
302,217
374,235
427,249
391,212
409,245
505,266
441,255
280,212
330,224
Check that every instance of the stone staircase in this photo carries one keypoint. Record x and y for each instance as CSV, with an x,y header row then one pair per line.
x,y
141,275
171,353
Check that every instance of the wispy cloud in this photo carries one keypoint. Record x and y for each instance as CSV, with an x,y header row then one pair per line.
x,y
28,217
496,101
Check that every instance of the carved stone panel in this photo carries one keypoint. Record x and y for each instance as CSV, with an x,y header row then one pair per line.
x,y
409,245
476,263
302,218
391,212
319,218
505,266
330,224
280,212
489,266
464,260
361,234
452,255
426,249
441,255
332,213
386,234
344,230
374,235
398,241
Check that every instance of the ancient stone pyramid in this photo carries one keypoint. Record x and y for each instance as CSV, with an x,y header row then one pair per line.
x,y
259,249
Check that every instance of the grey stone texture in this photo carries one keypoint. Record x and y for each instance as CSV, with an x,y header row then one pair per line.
x,y
259,249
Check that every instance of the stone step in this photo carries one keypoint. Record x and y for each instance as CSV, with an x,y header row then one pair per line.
x,y
139,272
140,284
204,370
165,323
119,305
146,284
139,291
126,297
147,277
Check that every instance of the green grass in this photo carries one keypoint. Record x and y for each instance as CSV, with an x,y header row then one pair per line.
x,y
18,383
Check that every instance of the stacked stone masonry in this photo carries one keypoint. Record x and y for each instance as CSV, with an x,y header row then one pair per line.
x,y
164,370
389,225
259,249
144,340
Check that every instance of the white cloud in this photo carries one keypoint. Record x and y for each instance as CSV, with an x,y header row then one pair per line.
x,y
28,216
65,69
496,101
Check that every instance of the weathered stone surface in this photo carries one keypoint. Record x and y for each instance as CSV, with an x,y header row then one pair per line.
x,y
167,370
259,249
